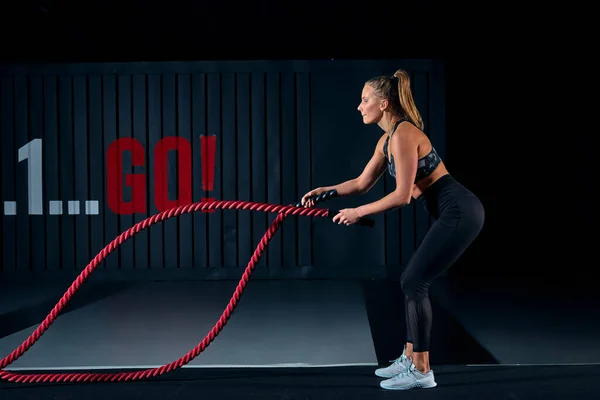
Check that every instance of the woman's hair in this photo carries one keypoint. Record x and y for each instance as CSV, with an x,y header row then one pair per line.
x,y
396,90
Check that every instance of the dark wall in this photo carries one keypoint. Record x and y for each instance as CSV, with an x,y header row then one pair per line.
x,y
516,110
88,150
518,132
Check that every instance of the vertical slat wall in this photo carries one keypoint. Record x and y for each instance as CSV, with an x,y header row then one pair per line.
x,y
281,128
8,162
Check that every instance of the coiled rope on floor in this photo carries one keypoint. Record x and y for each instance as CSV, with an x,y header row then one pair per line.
x,y
283,212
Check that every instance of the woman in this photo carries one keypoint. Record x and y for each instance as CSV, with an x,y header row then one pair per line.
x,y
410,158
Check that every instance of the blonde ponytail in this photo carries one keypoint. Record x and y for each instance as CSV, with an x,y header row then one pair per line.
x,y
407,103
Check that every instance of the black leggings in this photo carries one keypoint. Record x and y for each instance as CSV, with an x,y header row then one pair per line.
x,y
459,217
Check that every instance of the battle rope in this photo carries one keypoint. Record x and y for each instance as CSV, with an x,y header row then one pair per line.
x,y
283,212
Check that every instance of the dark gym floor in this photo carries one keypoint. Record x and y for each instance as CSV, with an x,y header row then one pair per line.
x,y
296,340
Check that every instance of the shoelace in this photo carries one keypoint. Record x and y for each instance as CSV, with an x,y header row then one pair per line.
x,y
408,372
398,360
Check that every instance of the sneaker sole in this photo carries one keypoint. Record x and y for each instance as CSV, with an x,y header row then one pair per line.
x,y
415,385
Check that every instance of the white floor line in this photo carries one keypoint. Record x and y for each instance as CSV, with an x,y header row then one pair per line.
x,y
142,367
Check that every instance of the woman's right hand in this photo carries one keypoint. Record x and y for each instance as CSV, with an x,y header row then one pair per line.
x,y
307,200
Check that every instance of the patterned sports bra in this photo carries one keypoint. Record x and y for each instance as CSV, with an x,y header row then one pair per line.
x,y
425,166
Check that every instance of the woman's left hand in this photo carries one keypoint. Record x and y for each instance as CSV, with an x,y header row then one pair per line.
x,y
347,216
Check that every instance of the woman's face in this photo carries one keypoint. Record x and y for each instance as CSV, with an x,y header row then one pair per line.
x,y
371,107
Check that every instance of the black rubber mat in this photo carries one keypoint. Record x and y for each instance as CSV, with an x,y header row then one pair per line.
x,y
348,383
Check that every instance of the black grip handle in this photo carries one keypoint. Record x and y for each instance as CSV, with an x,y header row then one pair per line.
x,y
332,213
321,197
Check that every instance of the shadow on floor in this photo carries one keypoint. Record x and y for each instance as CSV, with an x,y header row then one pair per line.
x,y
451,344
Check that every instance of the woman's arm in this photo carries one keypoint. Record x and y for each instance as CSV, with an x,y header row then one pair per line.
x,y
404,148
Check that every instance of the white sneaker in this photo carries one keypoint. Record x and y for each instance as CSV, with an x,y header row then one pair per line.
x,y
412,378
398,366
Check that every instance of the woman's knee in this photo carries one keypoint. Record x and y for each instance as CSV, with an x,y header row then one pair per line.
x,y
413,288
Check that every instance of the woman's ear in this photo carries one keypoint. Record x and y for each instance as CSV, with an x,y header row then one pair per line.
x,y
383,105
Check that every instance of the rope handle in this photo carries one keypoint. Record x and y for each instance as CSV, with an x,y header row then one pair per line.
x,y
369,222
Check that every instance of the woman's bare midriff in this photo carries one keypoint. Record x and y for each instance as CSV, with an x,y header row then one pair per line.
x,y
423,184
